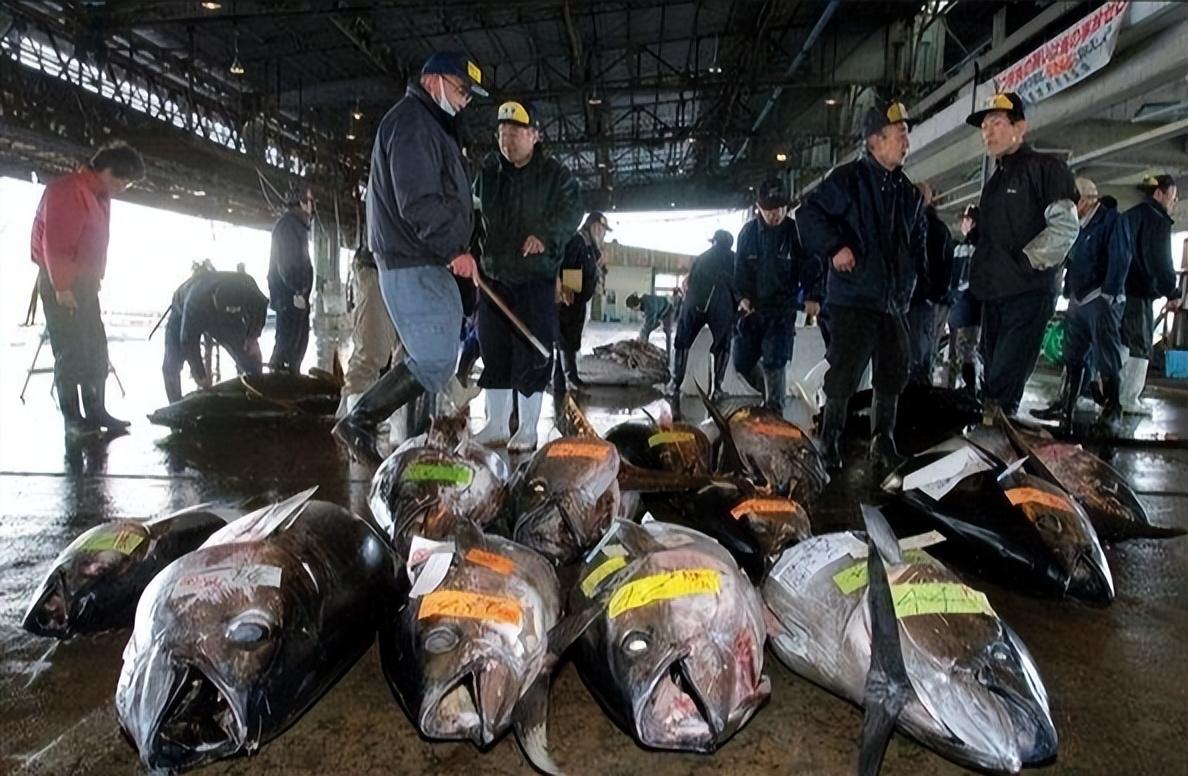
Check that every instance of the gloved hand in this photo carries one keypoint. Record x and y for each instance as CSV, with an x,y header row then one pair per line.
x,y
299,301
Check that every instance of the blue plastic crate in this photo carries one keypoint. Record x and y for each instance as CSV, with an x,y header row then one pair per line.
x,y
1176,364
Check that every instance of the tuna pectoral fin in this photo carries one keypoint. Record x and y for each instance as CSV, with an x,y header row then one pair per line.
x,y
729,459
1121,532
886,680
530,720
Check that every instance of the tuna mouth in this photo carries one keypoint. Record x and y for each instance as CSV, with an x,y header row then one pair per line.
x,y
674,715
1091,580
48,616
473,706
199,723
1035,735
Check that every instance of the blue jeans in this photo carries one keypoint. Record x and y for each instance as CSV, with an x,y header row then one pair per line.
x,y
426,310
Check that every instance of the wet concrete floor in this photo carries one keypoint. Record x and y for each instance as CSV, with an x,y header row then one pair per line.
x,y
1117,676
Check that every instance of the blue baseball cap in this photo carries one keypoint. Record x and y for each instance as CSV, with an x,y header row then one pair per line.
x,y
456,63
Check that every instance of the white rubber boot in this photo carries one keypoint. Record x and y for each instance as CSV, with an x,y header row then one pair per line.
x,y
525,439
496,432
1134,378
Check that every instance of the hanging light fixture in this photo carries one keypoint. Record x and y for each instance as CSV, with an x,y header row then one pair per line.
x,y
357,114
211,5
236,65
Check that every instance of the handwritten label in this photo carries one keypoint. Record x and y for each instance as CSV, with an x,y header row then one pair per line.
x,y
497,563
763,506
123,541
917,598
593,450
601,572
855,577
670,438
470,606
801,562
456,474
1025,496
220,581
663,587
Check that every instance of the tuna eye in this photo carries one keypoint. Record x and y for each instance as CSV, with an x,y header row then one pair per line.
x,y
636,643
1048,524
440,641
248,633
538,486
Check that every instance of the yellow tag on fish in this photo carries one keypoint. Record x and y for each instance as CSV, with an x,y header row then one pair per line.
x,y
496,563
470,606
592,449
669,438
663,587
122,541
601,572
916,598
786,430
1024,496
762,506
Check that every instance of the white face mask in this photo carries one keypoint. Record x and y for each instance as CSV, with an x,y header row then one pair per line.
x,y
444,103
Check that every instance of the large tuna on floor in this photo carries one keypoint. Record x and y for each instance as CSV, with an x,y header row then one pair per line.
x,y
269,399
663,446
234,641
624,362
1001,520
431,482
471,657
675,649
97,579
949,672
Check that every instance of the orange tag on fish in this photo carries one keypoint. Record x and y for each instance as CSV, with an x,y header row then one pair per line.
x,y
470,606
1023,496
592,449
496,563
786,430
762,506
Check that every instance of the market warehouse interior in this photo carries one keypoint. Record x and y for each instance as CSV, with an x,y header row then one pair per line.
x,y
593,387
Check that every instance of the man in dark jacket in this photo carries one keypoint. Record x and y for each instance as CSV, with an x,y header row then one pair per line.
x,y
1093,284
657,311
1027,224
1151,275
530,207
931,290
772,272
868,220
709,301
230,308
290,280
965,311
420,216
579,277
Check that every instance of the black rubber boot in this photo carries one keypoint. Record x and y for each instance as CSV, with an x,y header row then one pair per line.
x,y
680,362
720,362
94,399
833,422
1055,410
75,425
775,388
1073,378
1109,423
883,453
969,376
569,365
357,430
755,378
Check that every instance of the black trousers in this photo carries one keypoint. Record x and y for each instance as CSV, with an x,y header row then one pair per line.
x,y
77,337
292,338
858,336
509,360
1138,326
1095,326
1012,335
922,331
571,323
719,316
176,356
764,337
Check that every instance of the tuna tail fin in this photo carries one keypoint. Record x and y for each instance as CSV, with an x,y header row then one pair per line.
x,y
728,457
530,719
573,421
468,536
636,539
887,682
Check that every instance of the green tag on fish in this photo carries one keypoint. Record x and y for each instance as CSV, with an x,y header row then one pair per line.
x,y
123,542
669,438
854,577
915,598
456,474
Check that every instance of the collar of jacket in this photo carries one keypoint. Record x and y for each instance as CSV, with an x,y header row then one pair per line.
x,y
881,173
448,123
507,167
1018,157
90,179
1151,203
1093,214
302,218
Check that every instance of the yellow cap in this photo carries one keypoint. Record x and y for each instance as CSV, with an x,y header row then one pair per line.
x,y
897,112
516,113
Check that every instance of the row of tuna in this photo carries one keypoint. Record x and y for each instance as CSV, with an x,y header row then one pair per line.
x,y
478,580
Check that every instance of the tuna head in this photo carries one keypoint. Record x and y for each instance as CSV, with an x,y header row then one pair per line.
x,y
689,666
213,632
93,582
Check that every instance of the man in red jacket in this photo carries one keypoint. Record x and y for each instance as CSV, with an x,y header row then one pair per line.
x,y
69,245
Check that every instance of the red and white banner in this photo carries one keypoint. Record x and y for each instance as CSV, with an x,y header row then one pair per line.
x,y
1075,54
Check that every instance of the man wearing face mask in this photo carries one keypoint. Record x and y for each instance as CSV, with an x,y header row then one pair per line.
x,y
420,216
868,220
530,206
579,268
771,272
1027,223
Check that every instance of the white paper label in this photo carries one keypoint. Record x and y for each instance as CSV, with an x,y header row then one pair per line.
x,y
218,581
801,563
428,563
939,477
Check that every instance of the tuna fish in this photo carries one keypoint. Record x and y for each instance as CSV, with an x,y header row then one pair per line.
x,y
674,650
668,447
234,641
1002,520
432,481
95,582
927,415
625,362
909,641
757,442
273,398
471,658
